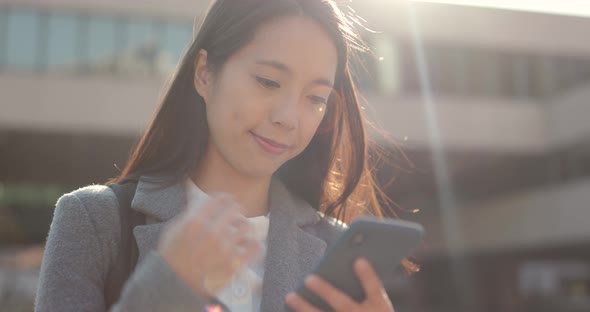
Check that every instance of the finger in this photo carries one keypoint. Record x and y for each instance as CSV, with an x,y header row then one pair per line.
x,y
243,254
298,304
212,237
244,239
241,227
250,251
247,248
201,218
216,206
243,231
228,214
205,206
191,224
372,285
234,233
331,295
215,280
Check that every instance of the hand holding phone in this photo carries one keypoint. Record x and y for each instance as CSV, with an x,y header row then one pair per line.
x,y
384,243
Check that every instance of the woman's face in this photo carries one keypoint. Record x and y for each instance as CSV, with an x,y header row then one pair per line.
x,y
267,101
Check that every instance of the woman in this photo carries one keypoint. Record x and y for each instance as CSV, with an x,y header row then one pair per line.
x,y
256,150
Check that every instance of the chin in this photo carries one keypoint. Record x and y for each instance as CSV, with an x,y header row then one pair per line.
x,y
261,170
256,170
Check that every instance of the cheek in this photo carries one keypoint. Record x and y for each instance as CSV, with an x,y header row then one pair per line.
x,y
246,112
235,109
245,106
309,126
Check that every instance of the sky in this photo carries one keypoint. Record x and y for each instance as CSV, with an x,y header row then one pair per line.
x,y
562,7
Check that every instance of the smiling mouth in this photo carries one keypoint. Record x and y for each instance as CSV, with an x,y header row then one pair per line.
x,y
269,145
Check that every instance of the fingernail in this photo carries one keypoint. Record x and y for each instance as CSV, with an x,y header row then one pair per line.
x,y
363,263
289,298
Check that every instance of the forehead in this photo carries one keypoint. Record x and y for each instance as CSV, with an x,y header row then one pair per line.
x,y
298,42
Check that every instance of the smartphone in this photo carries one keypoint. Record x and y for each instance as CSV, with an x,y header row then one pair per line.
x,y
384,242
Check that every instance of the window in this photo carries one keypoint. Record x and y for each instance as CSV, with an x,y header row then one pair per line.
x,y
139,34
100,44
176,38
62,44
3,33
62,41
22,39
141,48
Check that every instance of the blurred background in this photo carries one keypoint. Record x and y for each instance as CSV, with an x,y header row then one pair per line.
x,y
487,105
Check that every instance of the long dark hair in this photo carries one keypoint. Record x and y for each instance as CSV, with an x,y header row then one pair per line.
x,y
332,174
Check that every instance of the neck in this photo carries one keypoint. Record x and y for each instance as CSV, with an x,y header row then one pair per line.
x,y
218,177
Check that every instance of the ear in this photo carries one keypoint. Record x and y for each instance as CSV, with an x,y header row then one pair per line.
x,y
202,79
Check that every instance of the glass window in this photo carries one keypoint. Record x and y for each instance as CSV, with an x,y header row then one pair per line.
x,y
22,39
387,69
101,43
139,34
3,28
62,42
490,66
521,76
141,48
176,38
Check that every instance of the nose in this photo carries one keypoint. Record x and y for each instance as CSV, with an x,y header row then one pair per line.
x,y
285,113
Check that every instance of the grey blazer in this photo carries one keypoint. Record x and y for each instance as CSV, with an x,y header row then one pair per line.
x,y
84,237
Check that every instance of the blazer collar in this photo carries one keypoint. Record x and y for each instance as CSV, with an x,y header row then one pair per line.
x,y
157,202
164,203
292,248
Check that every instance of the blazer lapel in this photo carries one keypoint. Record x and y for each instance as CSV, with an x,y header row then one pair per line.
x,y
160,205
292,252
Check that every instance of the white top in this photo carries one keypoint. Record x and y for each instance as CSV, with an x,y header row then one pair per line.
x,y
244,292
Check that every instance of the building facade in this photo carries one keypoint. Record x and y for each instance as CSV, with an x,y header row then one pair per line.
x,y
487,110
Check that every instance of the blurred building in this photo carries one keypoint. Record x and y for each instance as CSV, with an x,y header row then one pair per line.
x,y
489,106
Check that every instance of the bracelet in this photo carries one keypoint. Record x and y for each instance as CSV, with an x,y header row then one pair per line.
x,y
215,306
212,308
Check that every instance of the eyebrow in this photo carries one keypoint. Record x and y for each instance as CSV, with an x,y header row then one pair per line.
x,y
284,68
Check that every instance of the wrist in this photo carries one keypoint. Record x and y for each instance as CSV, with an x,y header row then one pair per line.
x,y
187,276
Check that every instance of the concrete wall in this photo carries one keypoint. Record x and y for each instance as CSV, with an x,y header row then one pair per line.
x,y
539,218
483,124
92,104
568,117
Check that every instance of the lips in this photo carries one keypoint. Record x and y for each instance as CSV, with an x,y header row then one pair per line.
x,y
270,145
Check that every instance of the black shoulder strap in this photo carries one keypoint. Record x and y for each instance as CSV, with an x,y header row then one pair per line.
x,y
128,252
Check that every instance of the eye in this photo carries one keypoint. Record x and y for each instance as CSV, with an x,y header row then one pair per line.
x,y
267,83
317,99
